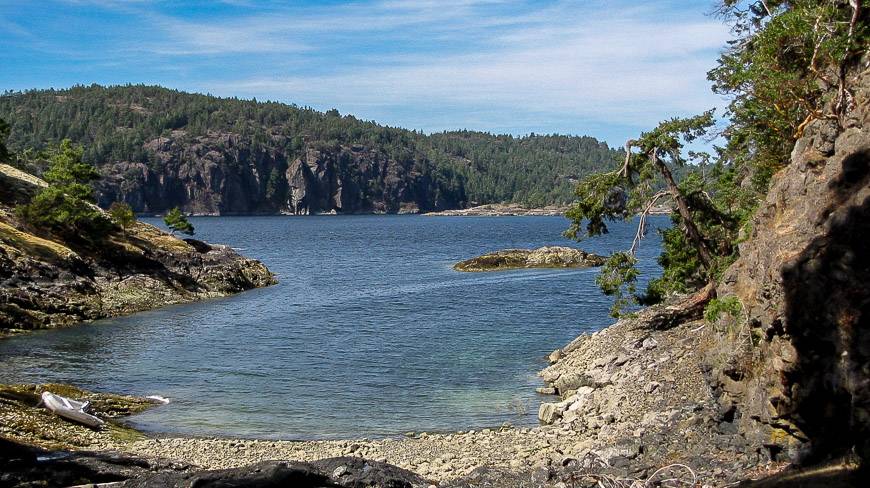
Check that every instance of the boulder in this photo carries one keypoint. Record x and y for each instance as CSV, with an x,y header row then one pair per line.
x,y
549,413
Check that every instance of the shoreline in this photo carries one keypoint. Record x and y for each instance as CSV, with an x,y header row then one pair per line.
x,y
630,397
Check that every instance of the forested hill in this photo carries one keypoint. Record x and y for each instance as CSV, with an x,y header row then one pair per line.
x,y
159,148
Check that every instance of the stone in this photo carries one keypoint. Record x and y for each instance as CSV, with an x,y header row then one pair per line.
x,y
549,413
555,356
541,475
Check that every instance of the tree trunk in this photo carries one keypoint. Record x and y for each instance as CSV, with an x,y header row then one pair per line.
x,y
683,209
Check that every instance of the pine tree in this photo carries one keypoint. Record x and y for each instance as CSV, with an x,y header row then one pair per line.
x,y
177,222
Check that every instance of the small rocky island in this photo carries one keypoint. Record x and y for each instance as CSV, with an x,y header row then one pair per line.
x,y
543,257
502,210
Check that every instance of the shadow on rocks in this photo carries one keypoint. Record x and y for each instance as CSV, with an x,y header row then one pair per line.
x,y
345,472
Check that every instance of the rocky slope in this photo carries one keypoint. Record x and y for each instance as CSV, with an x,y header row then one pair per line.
x,y
543,257
46,282
782,374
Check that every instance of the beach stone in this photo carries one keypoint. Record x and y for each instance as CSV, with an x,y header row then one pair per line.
x,y
549,413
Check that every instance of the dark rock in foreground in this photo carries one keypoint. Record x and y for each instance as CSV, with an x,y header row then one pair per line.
x,y
544,257
335,472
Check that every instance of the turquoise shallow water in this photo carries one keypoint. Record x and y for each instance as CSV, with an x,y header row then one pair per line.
x,y
369,333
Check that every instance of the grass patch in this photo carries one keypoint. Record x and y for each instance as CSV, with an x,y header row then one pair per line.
x,y
33,245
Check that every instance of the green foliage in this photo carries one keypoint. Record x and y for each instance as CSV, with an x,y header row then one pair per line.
x,y
73,218
599,197
122,214
622,194
459,167
4,134
618,278
67,171
780,71
619,195
67,206
177,222
717,306
786,67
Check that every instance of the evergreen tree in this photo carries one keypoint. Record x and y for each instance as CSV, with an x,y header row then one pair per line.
x,y
67,206
122,214
177,222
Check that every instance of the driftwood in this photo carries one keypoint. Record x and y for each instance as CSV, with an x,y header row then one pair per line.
x,y
671,314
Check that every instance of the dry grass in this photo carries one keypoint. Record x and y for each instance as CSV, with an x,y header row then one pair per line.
x,y
33,245
21,175
157,238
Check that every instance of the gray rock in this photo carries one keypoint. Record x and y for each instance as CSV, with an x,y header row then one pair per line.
x,y
549,413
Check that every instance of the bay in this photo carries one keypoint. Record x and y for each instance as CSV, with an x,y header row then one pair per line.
x,y
370,332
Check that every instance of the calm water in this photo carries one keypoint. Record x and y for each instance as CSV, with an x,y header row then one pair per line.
x,y
369,333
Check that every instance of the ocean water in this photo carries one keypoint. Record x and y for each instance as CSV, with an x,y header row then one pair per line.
x,y
369,333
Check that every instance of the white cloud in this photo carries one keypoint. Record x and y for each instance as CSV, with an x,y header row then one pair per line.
x,y
634,68
516,65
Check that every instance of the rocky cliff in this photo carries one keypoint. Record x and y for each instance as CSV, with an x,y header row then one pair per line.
x,y
796,377
225,174
47,282
159,148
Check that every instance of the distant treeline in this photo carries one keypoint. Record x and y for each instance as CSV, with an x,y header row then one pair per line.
x,y
115,123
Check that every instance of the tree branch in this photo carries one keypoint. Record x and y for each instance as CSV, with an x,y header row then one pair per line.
x,y
641,226
843,94
623,172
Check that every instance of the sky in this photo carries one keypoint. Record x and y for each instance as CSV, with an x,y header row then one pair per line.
x,y
608,69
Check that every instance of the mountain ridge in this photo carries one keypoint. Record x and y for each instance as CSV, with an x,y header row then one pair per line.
x,y
158,148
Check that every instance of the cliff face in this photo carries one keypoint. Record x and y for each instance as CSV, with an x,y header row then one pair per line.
x,y
356,180
796,377
46,282
223,174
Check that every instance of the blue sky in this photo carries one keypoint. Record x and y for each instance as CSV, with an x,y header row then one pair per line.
x,y
604,68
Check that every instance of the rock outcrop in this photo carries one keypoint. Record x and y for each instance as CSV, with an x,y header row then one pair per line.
x,y
48,282
796,376
543,257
